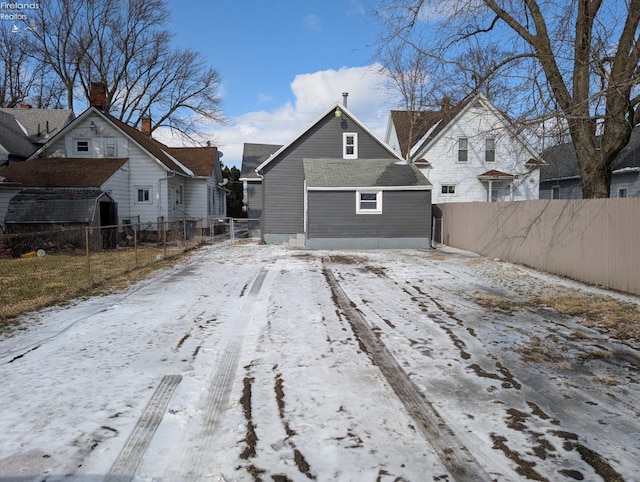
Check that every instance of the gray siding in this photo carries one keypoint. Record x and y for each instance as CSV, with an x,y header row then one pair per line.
x,y
254,200
405,214
283,181
571,188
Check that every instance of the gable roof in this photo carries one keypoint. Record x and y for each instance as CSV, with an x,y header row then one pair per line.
x,y
431,122
60,172
41,124
562,162
199,160
330,111
13,139
252,156
363,173
154,148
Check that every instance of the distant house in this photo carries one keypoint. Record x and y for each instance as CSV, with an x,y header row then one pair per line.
x,y
252,156
15,145
469,152
40,125
560,177
148,180
337,185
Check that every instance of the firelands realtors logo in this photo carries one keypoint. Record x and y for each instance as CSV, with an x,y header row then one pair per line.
x,y
16,11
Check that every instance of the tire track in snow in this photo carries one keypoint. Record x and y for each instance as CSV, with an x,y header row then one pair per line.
x,y
194,464
456,457
126,464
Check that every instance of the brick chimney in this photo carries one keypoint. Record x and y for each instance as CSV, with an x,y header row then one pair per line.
x,y
445,106
25,106
146,125
98,96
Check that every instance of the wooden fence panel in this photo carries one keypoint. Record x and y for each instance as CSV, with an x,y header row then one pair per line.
x,y
595,241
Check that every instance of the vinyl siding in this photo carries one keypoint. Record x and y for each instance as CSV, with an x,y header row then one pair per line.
x,y
254,200
283,182
405,214
478,124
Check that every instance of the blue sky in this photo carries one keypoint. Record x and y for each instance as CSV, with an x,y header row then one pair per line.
x,y
283,63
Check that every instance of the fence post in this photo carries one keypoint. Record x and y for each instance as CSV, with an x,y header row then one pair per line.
x,y
233,230
164,237
135,246
86,243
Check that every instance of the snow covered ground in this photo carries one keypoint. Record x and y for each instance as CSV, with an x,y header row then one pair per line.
x,y
252,362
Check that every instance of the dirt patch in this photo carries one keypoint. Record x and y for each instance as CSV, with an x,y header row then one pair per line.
x,y
251,439
497,304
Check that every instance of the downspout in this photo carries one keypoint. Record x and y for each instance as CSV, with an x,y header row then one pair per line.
x,y
306,209
170,174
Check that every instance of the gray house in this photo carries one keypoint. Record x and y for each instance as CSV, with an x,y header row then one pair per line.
x,y
560,177
252,156
337,185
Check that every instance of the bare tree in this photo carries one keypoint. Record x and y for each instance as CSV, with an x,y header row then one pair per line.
x,y
576,61
124,45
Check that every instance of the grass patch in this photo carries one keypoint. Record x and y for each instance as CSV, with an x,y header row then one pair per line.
x,y
621,320
495,303
30,284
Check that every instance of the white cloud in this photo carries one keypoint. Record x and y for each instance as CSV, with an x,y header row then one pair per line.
x,y
312,22
314,93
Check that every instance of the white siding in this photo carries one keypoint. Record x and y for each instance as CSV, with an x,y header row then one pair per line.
x,y
478,124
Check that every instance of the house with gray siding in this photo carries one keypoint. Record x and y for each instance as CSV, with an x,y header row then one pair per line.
x,y
252,156
337,185
560,177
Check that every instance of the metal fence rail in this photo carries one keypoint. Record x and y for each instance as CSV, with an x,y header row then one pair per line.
x,y
41,267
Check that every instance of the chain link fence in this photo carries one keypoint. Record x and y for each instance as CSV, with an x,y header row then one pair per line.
x,y
46,265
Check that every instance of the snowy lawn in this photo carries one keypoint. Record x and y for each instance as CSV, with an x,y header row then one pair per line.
x,y
253,362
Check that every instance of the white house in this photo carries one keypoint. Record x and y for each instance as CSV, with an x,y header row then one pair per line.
x,y
147,179
469,152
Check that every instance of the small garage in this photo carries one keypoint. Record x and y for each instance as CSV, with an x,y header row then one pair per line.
x,y
366,203
47,213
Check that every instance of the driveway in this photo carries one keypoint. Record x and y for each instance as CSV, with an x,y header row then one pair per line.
x,y
252,362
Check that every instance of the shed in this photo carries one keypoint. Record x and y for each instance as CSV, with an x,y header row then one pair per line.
x,y
366,203
47,210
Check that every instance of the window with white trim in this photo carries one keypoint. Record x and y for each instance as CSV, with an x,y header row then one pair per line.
x,y
489,150
368,202
143,195
448,189
622,192
463,149
349,145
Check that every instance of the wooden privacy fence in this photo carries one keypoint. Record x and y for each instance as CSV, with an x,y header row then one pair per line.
x,y
594,240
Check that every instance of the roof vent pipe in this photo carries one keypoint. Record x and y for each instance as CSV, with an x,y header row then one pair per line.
x,y
344,98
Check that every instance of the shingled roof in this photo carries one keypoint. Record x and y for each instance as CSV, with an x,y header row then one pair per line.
x,y
60,172
562,162
200,160
347,173
41,124
13,139
429,122
252,156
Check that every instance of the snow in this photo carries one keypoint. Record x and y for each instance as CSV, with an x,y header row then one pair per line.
x,y
273,382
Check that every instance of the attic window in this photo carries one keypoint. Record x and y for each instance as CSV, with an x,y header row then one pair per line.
x,y
463,149
349,145
81,146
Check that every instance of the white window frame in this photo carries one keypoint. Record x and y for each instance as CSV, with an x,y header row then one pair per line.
x,y
373,209
450,189
465,150
76,144
623,192
345,145
138,190
490,149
